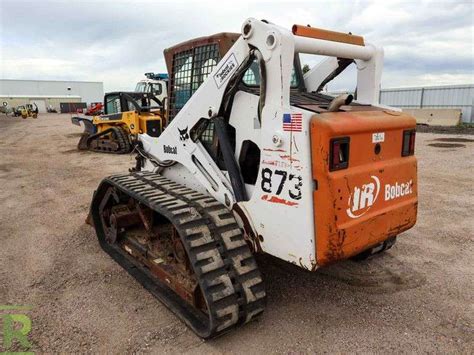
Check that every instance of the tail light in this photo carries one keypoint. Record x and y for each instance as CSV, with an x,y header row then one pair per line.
x,y
408,146
339,153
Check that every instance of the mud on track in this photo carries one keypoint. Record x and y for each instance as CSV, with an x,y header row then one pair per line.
x,y
415,298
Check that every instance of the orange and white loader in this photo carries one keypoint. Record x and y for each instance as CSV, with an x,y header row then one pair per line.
x,y
254,158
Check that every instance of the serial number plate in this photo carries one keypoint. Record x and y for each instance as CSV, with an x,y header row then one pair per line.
x,y
378,137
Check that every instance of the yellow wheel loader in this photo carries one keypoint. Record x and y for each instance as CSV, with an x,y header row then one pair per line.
x,y
255,159
127,114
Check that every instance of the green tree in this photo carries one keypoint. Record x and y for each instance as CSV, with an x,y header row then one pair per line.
x,y
305,68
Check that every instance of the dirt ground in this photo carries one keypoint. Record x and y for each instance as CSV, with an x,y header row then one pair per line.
x,y
418,297
466,128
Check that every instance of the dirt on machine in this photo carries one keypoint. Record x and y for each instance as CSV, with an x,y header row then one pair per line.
x,y
254,158
126,115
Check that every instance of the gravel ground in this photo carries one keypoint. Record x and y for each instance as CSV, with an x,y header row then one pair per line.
x,y
461,129
418,297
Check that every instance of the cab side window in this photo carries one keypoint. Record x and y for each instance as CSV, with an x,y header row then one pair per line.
x,y
112,104
156,89
141,87
252,76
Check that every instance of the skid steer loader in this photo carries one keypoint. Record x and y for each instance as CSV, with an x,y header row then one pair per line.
x,y
127,114
255,159
26,111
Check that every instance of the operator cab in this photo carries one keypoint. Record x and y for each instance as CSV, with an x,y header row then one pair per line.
x,y
191,62
118,102
155,84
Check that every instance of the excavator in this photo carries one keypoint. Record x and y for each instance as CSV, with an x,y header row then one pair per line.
x,y
255,159
126,115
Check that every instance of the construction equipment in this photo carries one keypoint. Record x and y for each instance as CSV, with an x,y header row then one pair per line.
x,y
51,109
255,159
94,109
31,111
26,111
16,111
156,84
5,109
127,114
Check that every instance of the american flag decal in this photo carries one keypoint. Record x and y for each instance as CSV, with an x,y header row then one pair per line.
x,y
292,122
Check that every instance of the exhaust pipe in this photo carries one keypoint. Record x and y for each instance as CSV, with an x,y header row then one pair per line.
x,y
337,102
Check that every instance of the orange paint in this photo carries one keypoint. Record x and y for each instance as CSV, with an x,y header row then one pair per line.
x,y
319,33
375,197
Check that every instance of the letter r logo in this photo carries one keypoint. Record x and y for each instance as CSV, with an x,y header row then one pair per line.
x,y
11,330
362,198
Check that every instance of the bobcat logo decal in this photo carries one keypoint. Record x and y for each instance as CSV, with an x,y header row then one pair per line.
x,y
183,134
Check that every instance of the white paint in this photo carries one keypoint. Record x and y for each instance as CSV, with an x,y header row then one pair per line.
x,y
368,58
364,197
317,74
226,70
333,49
398,190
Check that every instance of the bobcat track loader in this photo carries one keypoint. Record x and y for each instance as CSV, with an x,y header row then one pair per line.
x,y
255,159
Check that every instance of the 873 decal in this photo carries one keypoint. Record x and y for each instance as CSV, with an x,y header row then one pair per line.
x,y
277,181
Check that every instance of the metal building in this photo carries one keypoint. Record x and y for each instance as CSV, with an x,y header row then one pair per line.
x,y
452,96
429,97
47,93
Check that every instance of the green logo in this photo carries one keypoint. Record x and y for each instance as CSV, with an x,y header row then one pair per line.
x,y
15,328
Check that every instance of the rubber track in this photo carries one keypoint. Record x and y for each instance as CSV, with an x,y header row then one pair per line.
x,y
222,261
122,140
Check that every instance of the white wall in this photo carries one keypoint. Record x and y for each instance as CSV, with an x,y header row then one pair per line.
x,y
87,90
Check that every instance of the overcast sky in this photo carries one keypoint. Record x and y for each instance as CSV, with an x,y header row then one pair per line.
x,y
425,42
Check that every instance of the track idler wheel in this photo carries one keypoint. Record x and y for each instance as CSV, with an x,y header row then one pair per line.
x,y
108,219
